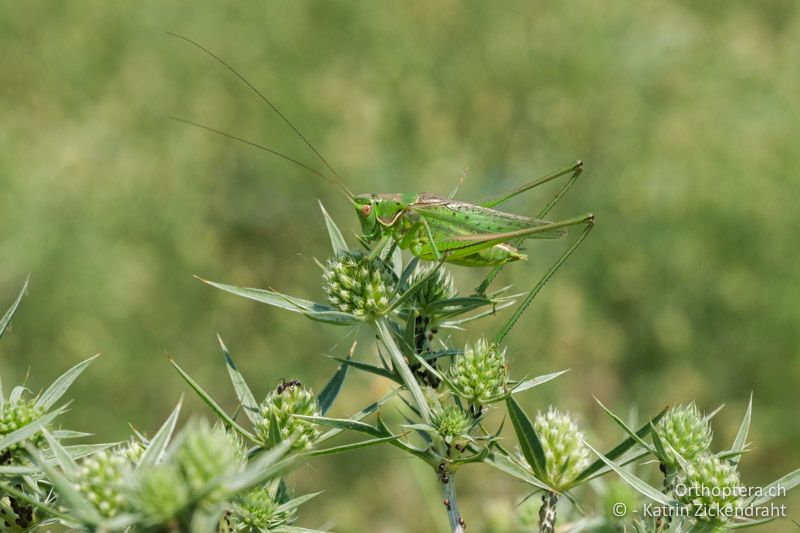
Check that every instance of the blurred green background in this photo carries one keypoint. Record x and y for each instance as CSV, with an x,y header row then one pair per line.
x,y
685,113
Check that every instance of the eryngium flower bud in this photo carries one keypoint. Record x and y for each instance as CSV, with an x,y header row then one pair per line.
x,y
710,487
101,479
292,400
159,492
686,431
132,450
480,373
258,511
439,286
16,415
564,450
357,285
204,453
451,423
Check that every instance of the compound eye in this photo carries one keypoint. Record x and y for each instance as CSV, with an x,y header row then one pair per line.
x,y
366,209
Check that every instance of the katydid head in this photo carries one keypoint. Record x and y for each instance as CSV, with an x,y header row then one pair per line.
x,y
367,215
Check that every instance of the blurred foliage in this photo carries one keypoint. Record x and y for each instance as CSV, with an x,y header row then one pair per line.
x,y
686,114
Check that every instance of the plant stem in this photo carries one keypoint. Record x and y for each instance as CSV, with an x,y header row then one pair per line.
x,y
547,513
448,483
402,368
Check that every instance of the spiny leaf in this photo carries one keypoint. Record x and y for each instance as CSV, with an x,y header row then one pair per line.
x,y
503,463
401,367
632,480
368,410
779,488
353,446
54,392
530,383
337,241
343,423
740,441
267,466
372,369
529,441
270,297
226,419
337,318
332,388
274,429
622,447
6,320
158,444
243,392
61,455
634,435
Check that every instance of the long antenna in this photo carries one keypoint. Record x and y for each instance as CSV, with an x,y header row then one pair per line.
x,y
266,149
270,104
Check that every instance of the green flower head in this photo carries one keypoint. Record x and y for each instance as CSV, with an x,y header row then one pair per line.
x,y
16,415
357,285
101,479
686,431
439,286
564,449
159,492
452,423
259,510
480,374
711,488
205,453
281,405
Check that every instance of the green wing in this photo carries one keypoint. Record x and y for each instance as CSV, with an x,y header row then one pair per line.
x,y
451,218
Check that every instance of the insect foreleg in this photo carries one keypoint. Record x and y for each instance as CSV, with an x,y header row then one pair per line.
x,y
542,282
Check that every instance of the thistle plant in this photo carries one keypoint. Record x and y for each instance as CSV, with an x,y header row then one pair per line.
x,y
231,475
204,480
407,305
707,495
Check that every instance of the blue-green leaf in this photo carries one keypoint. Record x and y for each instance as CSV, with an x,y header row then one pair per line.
x,y
622,447
243,392
6,320
652,493
158,444
54,392
529,441
343,423
779,488
337,241
270,297
740,441
352,446
332,388
226,419
530,383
